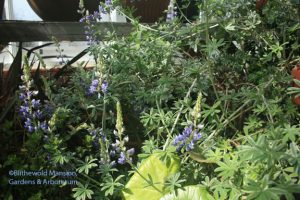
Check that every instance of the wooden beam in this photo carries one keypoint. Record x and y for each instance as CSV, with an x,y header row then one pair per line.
x,y
28,31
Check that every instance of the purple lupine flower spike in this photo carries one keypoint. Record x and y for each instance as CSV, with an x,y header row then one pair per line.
x,y
104,86
188,138
122,159
90,21
108,2
93,87
130,152
35,103
171,14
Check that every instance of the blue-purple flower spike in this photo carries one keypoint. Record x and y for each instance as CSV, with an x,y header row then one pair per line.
x,y
90,31
93,87
171,14
108,2
104,86
122,159
188,138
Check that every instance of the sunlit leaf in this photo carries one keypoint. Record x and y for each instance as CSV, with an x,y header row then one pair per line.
x,y
141,187
193,192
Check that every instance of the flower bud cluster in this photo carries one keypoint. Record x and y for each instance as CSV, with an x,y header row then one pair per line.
x,y
191,135
108,3
95,87
97,135
187,139
119,151
118,148
172,13
61,56
89,29
91,19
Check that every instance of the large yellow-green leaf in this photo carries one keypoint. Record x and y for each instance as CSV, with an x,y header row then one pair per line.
x,y
154,169
193,192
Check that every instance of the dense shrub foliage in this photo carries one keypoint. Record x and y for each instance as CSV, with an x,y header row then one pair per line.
x,y
194,110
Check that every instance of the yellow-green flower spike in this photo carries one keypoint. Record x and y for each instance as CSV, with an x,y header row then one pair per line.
x,y
197,108
119,125
26,70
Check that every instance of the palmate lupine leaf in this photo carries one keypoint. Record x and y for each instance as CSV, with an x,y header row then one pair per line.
x,y
262,190
290,133
227,168
87,165
193,192
261,151
82,192
110,185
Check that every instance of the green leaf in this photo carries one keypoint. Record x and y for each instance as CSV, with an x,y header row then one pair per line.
x,y
82,192
37,196
140,187
263,190
174,182
193,192
230,27
85,167
227,168
291,133
110,185
61,159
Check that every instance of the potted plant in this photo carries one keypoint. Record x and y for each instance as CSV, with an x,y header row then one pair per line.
x,y
260,4
66,10
61,10
149,11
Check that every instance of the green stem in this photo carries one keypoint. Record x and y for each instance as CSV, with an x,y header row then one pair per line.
x,y
91,179
162,119
178,115
104,113
268,108
227,121
182,12
84,175
211,75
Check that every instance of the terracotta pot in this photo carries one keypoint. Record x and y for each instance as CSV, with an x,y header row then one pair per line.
x,y
296,72
43,72
149,11
260,4
61,10
296,75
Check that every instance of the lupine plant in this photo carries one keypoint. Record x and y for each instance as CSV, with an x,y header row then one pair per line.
x,y
30,109
193,110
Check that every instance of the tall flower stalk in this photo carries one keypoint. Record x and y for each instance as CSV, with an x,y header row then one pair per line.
x,y
171,13
90,20
118,148
36,115
98,85
31,110
187,140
